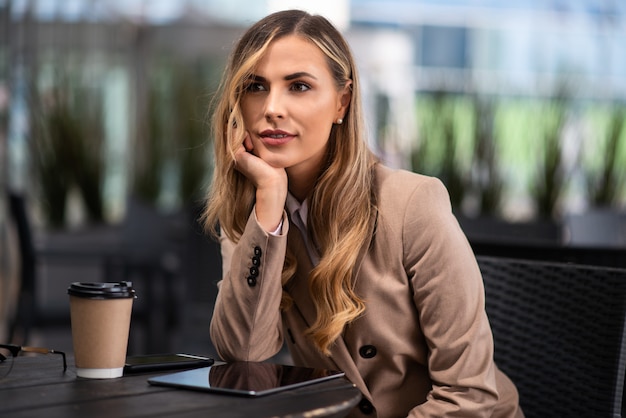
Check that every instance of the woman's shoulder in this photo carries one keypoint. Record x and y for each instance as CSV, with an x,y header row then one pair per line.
x,y
403,183
404,197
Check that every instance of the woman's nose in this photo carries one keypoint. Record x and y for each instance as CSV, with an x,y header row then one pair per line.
x,y
274,106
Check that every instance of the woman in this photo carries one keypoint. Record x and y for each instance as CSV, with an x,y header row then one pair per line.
x,y
356,266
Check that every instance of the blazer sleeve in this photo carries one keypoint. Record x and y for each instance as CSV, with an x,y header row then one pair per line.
x,y
449,295
246,323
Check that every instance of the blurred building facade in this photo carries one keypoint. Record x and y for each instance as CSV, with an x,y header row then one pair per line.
x,y
525,90
419,60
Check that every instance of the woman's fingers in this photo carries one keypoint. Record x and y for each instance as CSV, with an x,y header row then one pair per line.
x,y
253,167
247,143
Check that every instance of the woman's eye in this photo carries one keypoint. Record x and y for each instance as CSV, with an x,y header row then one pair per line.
x,y
254,87
300,86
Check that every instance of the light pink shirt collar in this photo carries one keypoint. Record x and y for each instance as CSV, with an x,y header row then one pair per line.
x,y
298,211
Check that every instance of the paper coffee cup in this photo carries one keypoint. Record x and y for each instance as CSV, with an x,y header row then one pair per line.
x,y
100,315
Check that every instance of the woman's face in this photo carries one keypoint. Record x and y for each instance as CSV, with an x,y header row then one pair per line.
x,y
290,105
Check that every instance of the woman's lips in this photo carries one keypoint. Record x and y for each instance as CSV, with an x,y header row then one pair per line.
x,y
275,137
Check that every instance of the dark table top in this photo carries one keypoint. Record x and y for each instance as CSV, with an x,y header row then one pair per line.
x,y
37,387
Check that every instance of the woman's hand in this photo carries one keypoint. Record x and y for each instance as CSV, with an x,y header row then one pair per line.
x,y
270,183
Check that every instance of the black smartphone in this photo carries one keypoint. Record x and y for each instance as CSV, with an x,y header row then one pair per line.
x,y
159,362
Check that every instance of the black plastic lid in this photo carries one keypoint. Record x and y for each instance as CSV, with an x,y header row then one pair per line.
x,y
103,290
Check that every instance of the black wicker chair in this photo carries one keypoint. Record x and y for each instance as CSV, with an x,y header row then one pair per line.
x,y
559,334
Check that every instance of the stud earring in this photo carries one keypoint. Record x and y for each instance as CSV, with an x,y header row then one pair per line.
x,y
339,121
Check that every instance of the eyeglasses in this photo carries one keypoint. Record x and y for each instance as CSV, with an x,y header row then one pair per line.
x,y
8,352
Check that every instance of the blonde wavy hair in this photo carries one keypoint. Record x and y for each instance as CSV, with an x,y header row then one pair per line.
x,y
341,206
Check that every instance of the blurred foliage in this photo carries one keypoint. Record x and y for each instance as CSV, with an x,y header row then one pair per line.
x,y
169,162
606,160
67,140
488,151
550,179
493,150
175,136
486,179
191,135
439,150
457,144
150,148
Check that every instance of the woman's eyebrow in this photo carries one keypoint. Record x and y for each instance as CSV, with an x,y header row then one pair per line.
x,y
299,75
256,78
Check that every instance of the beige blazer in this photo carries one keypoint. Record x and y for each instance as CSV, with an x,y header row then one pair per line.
x,y
424,346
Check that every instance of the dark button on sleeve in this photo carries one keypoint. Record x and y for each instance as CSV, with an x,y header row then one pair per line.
x,y
254,271
251,281
257,251
366,407
256,261
367,351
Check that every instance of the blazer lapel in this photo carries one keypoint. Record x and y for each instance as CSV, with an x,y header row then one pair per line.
x,y
298,288
339,350
366,246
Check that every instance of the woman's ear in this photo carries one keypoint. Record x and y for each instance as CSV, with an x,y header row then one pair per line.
x,y
345,96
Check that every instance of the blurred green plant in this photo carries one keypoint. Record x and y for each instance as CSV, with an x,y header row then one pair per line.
x,y
486,178
150,148
605,174
191,135
67,141
458,146
440,151
175,136
468,156
550,179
